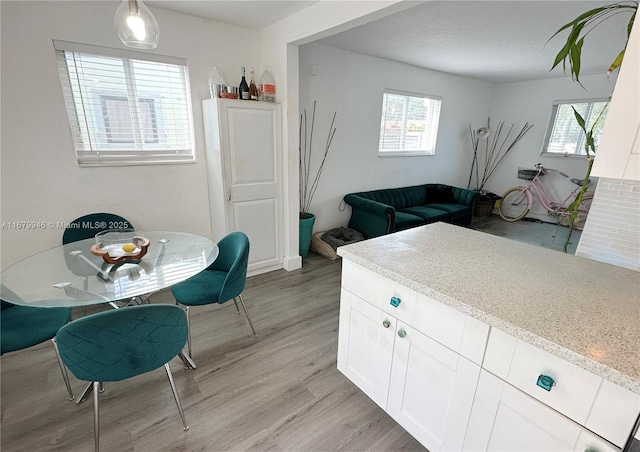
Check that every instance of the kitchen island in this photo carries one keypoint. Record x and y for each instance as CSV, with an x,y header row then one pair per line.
x,y
494,309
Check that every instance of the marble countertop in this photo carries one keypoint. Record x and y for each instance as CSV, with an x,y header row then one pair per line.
x,y
583,311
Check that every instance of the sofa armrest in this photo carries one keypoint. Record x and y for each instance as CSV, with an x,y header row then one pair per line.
x,y
369,205
464,196
369,217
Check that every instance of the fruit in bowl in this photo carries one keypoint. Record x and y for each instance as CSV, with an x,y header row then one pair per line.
x,y
117,245
129,247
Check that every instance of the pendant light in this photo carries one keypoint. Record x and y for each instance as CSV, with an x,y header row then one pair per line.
x,y
136,26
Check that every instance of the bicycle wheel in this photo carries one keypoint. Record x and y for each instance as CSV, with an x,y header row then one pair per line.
x,y
515,204
583,211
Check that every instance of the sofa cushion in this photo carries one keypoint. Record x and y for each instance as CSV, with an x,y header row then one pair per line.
x,y
406,221
426,213
399,198
439,194
455,211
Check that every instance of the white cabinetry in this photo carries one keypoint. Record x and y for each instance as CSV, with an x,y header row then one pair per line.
x,y
455,384
244,161
506,419
425,385
619,148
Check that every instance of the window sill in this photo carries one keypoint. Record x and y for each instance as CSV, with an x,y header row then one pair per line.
x,y
564,156
108,162
385,154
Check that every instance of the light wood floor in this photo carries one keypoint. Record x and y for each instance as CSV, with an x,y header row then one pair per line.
x,y
280,392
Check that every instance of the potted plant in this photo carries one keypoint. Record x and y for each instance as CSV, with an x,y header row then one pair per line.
x,y
485,163
310,170
570,54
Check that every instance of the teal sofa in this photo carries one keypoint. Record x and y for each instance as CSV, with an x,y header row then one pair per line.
x,y
379,212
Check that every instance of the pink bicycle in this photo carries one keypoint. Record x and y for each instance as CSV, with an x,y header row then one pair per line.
x,y
517,201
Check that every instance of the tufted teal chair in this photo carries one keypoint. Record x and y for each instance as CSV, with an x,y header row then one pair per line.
x,y
88,226
25,326
122,343
223,281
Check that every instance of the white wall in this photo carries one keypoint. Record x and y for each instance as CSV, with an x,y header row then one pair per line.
x,y
279,48
352,84
531,102
41,180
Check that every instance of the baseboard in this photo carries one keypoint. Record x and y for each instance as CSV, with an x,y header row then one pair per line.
x,y
292,263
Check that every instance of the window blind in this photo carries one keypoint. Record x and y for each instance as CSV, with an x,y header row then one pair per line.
x,y
126,107
564,135
409,123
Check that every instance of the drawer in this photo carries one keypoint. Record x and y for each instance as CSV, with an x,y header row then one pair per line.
x,y
448,326
614,413
572,391
452,328
504,418
379,291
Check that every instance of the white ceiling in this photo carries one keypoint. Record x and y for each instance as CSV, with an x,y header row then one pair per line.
x,y
499,41
254,14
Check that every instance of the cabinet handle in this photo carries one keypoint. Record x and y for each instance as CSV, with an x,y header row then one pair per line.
x,y
395,302
402,333
546,382
386,324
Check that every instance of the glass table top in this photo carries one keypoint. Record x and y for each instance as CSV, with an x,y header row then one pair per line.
x,y
70,275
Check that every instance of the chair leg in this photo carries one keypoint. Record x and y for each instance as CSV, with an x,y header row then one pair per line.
x,y
176,396
96,415
247,314
63,369
236,303
188,332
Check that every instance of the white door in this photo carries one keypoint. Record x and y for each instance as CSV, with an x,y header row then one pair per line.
x,y
506,419
252,132
365,346
431,390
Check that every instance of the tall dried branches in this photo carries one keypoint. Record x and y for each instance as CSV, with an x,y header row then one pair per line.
x,y
308,180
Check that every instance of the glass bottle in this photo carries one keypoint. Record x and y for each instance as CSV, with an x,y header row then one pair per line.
x,y
267,86
243,89
217,83
253,90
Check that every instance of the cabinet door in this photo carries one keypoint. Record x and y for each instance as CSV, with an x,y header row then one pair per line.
x,y
431,390
251,140
506,419
365,346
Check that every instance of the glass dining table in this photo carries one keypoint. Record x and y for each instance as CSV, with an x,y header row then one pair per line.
x,y
70,275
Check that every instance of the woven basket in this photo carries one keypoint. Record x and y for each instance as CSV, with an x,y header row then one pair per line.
x,y
483,207
527,174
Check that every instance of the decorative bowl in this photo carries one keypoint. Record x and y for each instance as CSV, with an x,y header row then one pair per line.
x,y
115,246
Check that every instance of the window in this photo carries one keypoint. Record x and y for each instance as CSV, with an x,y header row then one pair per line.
x,y
409,124
126,107
564,136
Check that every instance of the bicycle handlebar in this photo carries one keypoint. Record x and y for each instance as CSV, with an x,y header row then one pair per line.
x,y
544,170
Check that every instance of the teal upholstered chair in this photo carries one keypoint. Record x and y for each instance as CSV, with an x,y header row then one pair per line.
x,y
122,343
25,326
88,226
222,281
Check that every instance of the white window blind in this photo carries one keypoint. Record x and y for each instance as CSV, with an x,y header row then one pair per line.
x,y
126,107
564,136
409,124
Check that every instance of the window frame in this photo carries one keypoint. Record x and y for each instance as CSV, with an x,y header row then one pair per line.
x,y
86,127
581,140
408,152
